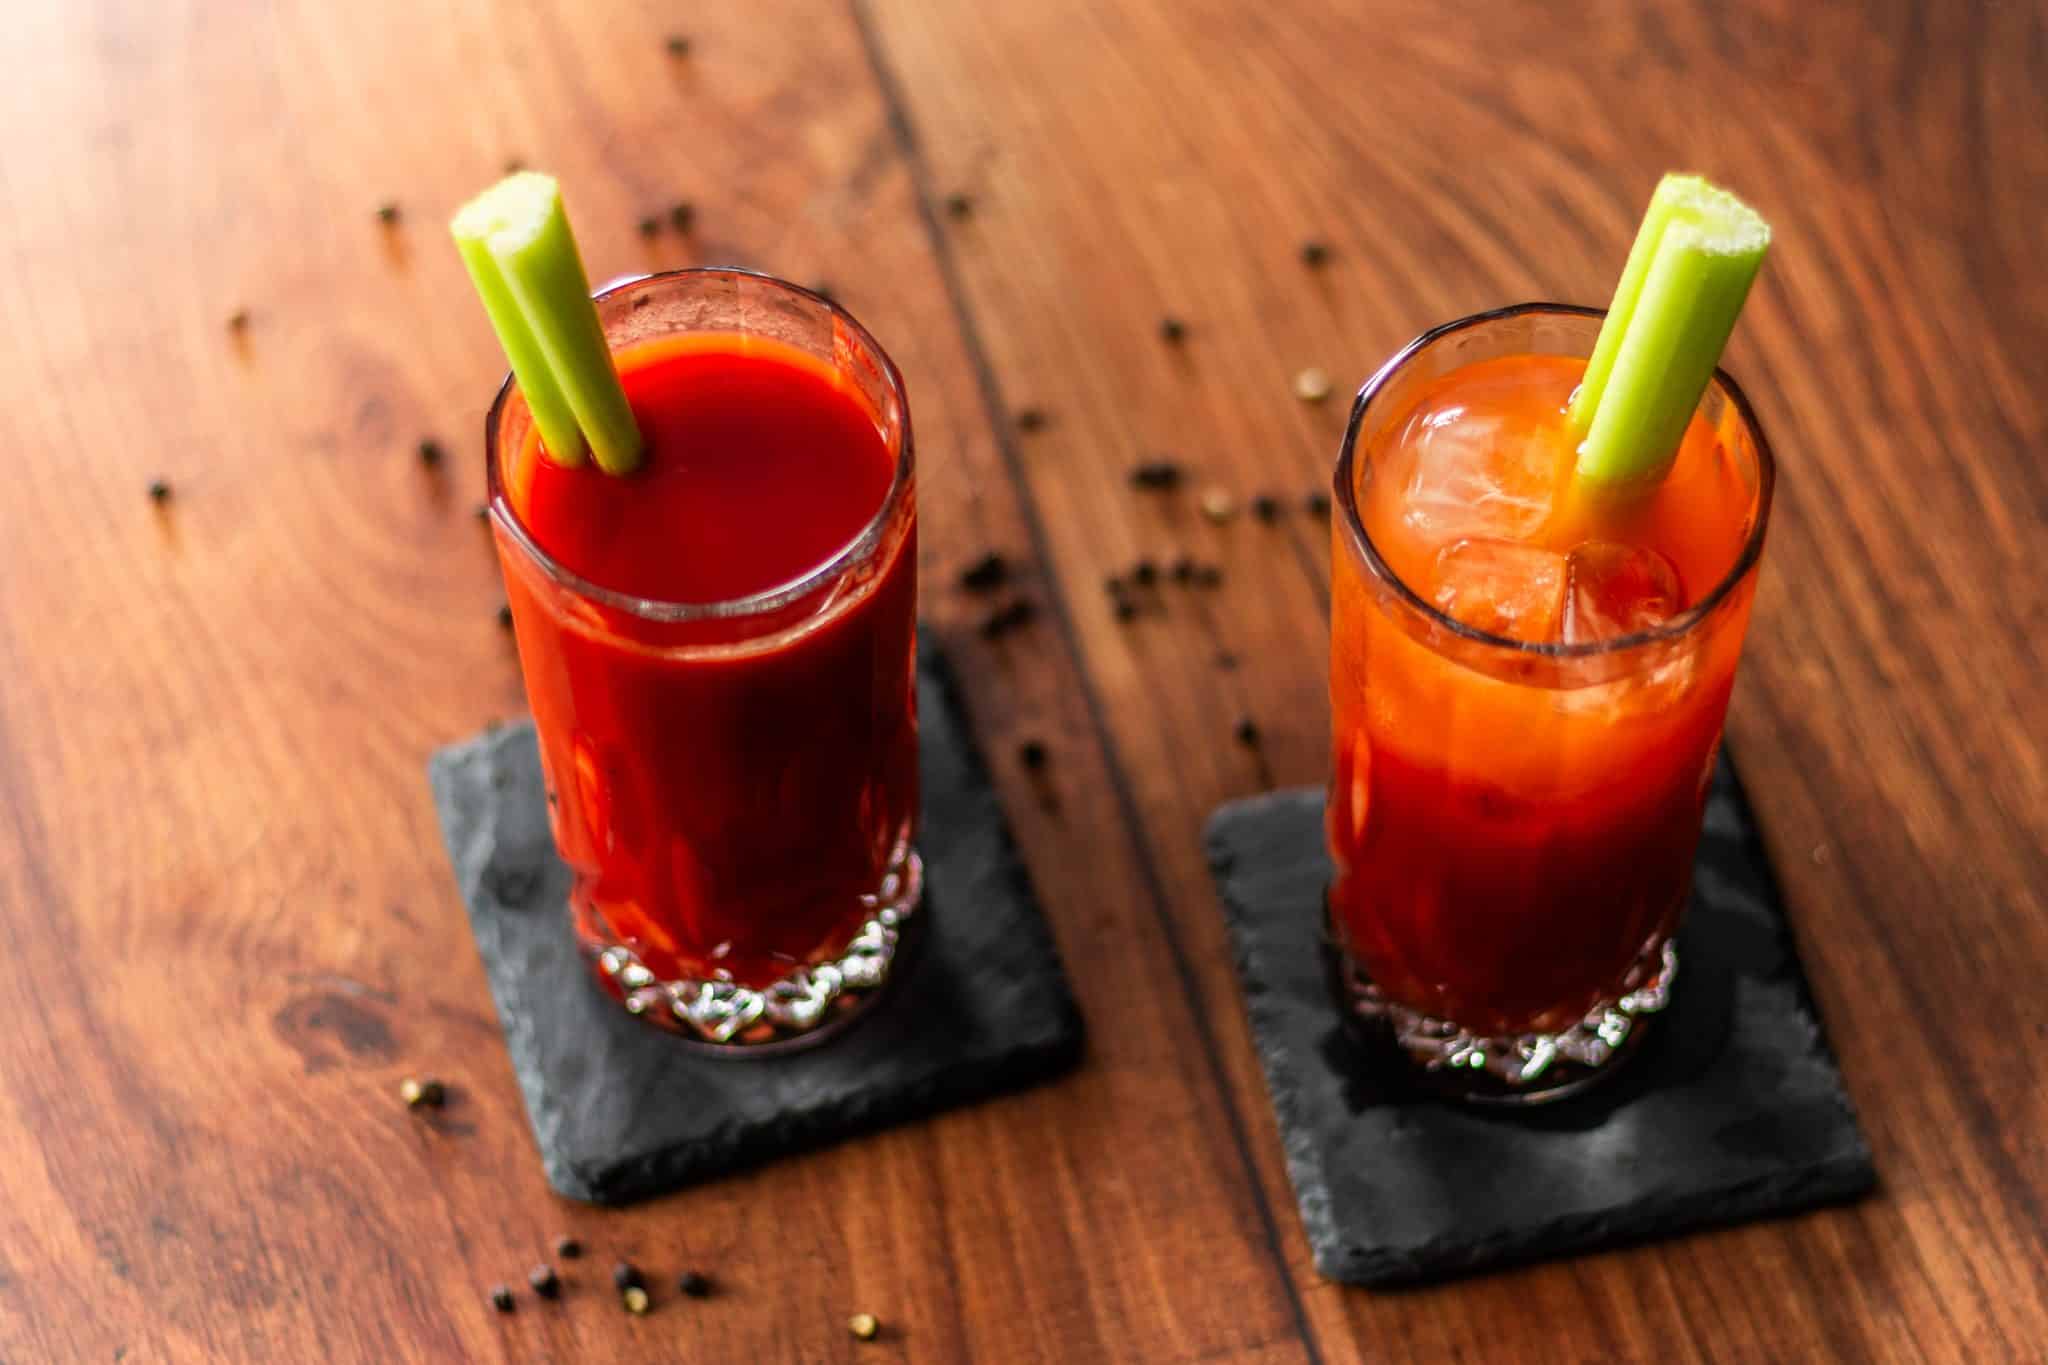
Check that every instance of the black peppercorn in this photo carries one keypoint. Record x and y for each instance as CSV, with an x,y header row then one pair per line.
x,y
649,226
1030,419
387,212
694,1284
1266,507
959,205
1007,618
501,1298
430,452
1032,754
1314,253
626,1275
985,574
1317,503
1172,331
1157,474
159,490
678,45
544,1281
568,1248
1145,574
422,1094
1248,732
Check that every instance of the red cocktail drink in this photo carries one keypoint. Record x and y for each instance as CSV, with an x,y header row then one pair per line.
x,y
719,650
1528,681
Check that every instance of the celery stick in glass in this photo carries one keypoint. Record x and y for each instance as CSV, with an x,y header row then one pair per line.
x,y
515,239
1687,276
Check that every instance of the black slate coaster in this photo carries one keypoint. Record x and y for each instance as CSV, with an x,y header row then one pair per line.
x,y
1732,1110
622,1112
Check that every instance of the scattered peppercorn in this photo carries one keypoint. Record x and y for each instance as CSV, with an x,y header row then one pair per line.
x,y
959,205
1183,570
1226,661
1248,732
483,511
986,574
238,321
568,1248
1312,385
1314,253
1218,506
1125,609
863,1326
1266,507
159,490
1209,576
823,289
422,1094
695,1285
678,45
634,1299
1157,474
1145,574
1172,331
1030,419
626,1275
1317,503
1007,618
430,452
505,615
1032,754
681,215
387,212
544,1281
501,1298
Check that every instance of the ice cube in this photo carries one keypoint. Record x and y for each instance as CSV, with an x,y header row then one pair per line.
x,y
1477,472
1618,590
1500,587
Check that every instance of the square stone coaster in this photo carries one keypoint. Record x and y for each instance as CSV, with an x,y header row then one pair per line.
x,y
1731,1110
622,1111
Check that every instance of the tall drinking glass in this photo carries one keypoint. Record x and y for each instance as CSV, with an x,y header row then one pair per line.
x,y
733,782
1514,806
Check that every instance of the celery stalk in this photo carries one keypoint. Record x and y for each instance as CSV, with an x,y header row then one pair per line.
x,y
1690,270
515,238
561,439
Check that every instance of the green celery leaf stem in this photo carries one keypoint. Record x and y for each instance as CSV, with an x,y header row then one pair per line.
x,y
521,225
1687,277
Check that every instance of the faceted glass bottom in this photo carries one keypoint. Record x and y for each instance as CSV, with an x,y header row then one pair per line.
x,y
1516,1069
804,1008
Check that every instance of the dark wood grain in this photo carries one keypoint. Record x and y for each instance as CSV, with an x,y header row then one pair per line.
x,y
229,929
226,926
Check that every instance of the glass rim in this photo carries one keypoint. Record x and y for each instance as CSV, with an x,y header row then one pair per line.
x,y
1345,493
851,556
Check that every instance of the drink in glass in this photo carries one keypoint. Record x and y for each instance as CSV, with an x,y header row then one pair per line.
x,y
1528,679
719,651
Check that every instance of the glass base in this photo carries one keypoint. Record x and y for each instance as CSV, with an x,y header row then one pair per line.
x,y
804,1008
1516,1069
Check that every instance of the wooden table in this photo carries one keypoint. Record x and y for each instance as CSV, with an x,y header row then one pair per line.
x,y
227,927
